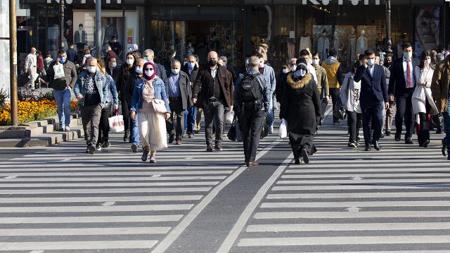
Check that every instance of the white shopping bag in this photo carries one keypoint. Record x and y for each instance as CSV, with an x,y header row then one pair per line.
x,y
59,71
283,129
229,117
116,124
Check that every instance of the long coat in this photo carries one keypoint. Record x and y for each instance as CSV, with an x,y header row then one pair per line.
x,y
300,105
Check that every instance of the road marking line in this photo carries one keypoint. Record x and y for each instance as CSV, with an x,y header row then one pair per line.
x,y
195,212
251,207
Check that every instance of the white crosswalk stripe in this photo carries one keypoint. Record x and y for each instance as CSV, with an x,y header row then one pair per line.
x,y
396,200
61,199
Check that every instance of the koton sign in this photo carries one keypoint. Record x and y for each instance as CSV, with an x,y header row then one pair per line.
x,y
341,2
84,1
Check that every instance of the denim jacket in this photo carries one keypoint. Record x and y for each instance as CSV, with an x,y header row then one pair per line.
x,y
100,81
113,96
159,89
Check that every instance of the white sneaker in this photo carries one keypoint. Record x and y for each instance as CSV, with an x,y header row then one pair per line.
x,y
67,129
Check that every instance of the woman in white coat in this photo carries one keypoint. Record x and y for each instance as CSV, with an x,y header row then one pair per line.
x,y
422,99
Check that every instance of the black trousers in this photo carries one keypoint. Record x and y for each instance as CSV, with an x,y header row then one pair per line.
x,y
126,115
404,114
175,122
301,142
423,128
372,118
354,120
334,93
214,116
251,126
103,133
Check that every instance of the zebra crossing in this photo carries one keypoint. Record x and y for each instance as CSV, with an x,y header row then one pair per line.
x,y
396,200
63,200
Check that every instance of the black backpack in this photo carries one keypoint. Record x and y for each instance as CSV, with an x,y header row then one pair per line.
x,y
250,90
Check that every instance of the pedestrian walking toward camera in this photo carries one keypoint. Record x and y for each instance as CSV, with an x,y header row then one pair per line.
x,y
150,106
401,87
213,91
91,89
441,92
62,75
252,102
422,99
191,69
111,105
350,95
300,107
180,97
373,99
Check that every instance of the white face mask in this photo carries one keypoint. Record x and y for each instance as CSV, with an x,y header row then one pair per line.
x,y
309,61
113,65
294,68
285,70
149,72
316,62
371,62
130,62
261,65
175,71
302,72
428,61
92,69
407,55
139,70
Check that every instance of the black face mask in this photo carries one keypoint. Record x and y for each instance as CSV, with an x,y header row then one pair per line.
x,y
212,63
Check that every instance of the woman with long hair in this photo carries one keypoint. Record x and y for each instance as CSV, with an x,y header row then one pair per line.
x,y
422,100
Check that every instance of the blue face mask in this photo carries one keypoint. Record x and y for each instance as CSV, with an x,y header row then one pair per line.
x,y
191,65
299,73
139,71
62,60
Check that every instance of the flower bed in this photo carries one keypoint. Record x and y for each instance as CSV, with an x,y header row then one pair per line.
x,y
29,111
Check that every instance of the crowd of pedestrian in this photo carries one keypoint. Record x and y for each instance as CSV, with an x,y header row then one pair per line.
x,y
162,106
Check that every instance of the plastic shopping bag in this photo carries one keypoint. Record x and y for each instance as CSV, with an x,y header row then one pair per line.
x,y
229,117
283,129
116,124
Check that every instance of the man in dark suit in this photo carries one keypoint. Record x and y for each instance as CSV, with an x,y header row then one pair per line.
x,y
373,98
401,88
213,91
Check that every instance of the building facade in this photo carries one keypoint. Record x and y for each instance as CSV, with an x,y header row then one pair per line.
x,y
233,27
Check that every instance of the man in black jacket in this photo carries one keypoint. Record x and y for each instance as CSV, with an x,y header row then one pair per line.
x,y
62,75
373,98
401,89
179,91
213,91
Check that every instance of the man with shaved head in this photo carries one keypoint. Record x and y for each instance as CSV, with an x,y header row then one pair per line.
x,y
213,91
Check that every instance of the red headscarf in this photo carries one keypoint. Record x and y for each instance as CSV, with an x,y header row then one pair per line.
x,y
153,75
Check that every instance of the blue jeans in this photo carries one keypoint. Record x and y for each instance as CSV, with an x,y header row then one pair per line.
x,y
134,135
447,126
190,119
62,98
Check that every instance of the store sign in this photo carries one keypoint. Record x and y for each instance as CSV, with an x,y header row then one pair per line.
x,y
341,2
84,1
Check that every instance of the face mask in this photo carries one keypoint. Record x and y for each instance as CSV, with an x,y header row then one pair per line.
x,y
62,60
113,65
407,55
92,69
175,71
285,70
149,74
130,62
139,70
315,62
428,61
212,63
261,65
294,68
299,73
371,62
309,61
191,65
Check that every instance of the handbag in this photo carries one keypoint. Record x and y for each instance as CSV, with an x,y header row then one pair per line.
x,y
159,106
116,124
283,129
